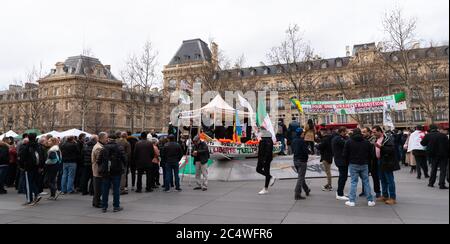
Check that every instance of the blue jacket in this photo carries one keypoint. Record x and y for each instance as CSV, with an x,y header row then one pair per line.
x,y
300,149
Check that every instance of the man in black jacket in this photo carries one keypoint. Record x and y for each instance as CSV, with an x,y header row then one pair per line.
x,y
387,164
357,154
373,166
143,156
265,156
4,163
326,156
111,165
337,145
71,155
437,149
171,154
301,154
32,161
86,184
201,158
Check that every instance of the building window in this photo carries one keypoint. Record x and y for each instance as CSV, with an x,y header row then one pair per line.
x,y
438,92
418,115
173,83
379,118
67,106
342,119
340,97
128,121
113,108
280,104
394,58
99,107
324,65
441,114
113,120
327,119
253,72
99,93
266,71
400,116
57,91
338,63
415,93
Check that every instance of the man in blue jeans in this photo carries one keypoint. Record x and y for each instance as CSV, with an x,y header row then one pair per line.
x,y
70,156
111,165
171,154
357,154
387,164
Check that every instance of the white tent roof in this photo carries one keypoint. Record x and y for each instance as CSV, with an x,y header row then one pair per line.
x,y
53,133
218,104
9,134
73,132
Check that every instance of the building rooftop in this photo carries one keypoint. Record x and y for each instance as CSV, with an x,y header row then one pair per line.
x,y
192,51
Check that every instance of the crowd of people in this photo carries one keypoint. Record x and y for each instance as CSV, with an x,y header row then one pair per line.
x,y
363,153
94,165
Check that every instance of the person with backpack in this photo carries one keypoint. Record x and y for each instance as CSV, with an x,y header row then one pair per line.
x,y
111,165
31,162
53,164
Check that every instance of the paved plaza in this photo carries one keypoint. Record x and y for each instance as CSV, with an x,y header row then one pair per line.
x,y
238,203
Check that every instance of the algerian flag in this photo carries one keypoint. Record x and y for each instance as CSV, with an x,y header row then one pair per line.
x,y
400,101
263,119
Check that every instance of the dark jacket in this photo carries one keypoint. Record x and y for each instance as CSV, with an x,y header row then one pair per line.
x,y
357,150
4,154
292,131
144,154
203,153
87,152
70,152
437,144
388,158
171,153
337,146
300,149
31,157
132,140
112,160
326,153
265,150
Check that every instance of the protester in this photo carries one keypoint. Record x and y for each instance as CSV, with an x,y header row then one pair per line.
x,y
111,165
43,148
155,163
31,163
281,136
98,181
143,155
132,163
265,156
53,164
71,155
337,145
80,141
419,151
4,164
437,148
373,164
357,154
171,154
310,136
387,164
200,152
87,184
301,154
126,147
292,133
12,179
326,156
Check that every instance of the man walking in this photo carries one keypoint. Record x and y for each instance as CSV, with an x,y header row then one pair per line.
x,y
265,157
301,154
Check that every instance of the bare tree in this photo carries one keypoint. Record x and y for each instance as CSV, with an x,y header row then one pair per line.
x,y
293,59
401,37
141,75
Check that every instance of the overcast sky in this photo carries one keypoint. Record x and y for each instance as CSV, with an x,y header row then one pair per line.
x,y
49,31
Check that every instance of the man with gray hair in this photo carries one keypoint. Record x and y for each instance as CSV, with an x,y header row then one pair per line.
x,y
102,140
201,158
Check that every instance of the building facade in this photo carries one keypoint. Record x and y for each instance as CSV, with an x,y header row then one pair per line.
x,y
366,72
79,93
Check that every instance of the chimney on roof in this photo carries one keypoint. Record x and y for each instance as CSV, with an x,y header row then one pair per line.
x,y
347,51
215,55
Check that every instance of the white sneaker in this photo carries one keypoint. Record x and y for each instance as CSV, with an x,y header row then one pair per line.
x,y
43,193
371,204
272,181
263,192
343,198
350,204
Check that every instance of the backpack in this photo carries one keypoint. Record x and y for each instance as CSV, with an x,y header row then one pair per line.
x,y
54,161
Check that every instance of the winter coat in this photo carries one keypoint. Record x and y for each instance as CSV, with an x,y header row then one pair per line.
x,y
87,152
202,153
388,158
265,150
326,153
437,145
70,152
4,154
337,146
300,150
111,161
143,155
171,153
357,151
310,134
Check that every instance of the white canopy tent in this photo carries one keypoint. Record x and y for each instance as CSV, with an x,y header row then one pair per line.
x,y
9,134
53,133
73,132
